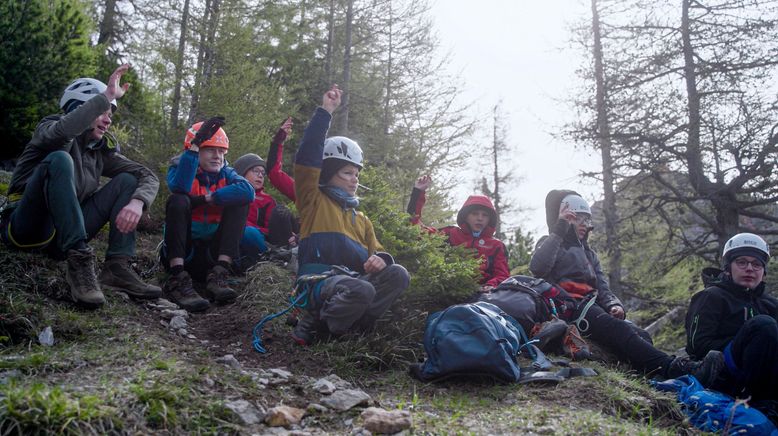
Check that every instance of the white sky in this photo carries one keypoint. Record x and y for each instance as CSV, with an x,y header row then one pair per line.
x,y
519,51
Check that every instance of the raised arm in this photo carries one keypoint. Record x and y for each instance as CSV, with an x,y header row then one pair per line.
x,y
275,173
308,159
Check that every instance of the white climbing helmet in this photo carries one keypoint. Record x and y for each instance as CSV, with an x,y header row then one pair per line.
x,y
746,244
81,90
575,203
342,148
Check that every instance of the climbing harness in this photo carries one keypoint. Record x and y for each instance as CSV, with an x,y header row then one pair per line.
x,y
580,322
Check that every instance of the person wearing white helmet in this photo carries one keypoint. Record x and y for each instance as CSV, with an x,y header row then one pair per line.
x,y
565,258
335,238
736,315
57,203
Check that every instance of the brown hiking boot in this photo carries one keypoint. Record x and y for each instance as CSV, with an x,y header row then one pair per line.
x,y
180,290
81,276
118,275
217,288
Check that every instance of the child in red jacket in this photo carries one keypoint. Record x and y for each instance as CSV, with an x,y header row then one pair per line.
x,y
267,222
476,222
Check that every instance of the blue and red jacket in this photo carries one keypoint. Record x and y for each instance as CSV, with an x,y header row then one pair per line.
x,y
494,259
227,188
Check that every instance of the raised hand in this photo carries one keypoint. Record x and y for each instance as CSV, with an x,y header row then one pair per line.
x,y
423,183
568,215
331,99
206,131
287,126
115,90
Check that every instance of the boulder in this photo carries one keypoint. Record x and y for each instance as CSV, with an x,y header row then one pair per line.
x,y
244,410
377,420
345,399
284,416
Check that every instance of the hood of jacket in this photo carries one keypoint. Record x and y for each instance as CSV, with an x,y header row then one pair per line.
x,y
553,201
473,202
720,278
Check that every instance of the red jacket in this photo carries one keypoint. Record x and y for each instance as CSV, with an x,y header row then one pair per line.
x,y
263,204
494,259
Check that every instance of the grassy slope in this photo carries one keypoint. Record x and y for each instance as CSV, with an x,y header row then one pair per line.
x,y
120,370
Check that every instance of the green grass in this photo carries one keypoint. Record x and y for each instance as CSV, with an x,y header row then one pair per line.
x,y
39,409
118,370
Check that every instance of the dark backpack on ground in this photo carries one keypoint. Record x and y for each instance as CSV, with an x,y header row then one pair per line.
x,y
524,298
476,339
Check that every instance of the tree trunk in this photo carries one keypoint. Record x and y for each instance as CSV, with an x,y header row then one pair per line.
x,y
330,43
179,69
108,23
389,73
606,148
496,173
345,84
722,198
204,66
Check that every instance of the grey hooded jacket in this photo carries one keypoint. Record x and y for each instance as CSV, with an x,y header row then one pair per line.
x,y
561,256
91,160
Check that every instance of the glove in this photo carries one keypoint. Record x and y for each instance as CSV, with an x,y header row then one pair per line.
x,y
208,129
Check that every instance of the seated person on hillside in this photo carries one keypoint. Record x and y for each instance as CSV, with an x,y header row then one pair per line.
x,y
209,203
476,222
735,315
55,198
267,221
333,233
565,258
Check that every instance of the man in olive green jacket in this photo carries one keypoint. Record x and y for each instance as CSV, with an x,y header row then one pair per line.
x,y
55,198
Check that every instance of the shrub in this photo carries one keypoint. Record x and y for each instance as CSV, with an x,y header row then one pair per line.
x,y
441,275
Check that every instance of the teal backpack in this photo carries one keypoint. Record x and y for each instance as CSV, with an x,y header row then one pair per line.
x,y
475,339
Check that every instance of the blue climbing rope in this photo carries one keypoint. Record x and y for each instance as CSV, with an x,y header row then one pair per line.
x,y
299,299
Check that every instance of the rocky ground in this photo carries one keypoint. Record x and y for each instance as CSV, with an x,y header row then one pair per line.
x,y
148,367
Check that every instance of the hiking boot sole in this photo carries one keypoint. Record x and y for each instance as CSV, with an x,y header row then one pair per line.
x,y
195,309
146,296
86,304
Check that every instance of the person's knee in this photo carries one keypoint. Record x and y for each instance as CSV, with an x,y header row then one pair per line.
x,y
253,237
177,203
126,182
763,325
60,163
358,291
397,275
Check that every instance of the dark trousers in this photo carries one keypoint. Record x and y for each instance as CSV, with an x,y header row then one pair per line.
x,y
623,339
752,361
178,229
281,226
348,302
49,213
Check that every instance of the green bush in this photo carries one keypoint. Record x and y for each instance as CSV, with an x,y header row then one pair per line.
x,y
441,275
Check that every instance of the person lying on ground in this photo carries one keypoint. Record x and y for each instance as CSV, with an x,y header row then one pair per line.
x,y
208,203
56,202
476,223
334,234
268,222
565,258
735,315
